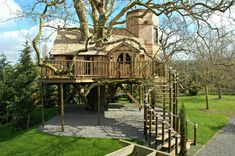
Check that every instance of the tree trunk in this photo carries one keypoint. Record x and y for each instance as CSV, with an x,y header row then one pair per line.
x,y
110,93
206,96
92,99
28,121
220,94
153,97
80,9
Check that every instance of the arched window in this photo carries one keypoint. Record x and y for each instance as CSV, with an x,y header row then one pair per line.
x,y
124,58
128,58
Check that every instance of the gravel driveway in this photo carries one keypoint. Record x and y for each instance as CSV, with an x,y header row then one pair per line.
x,y
119,122
223,144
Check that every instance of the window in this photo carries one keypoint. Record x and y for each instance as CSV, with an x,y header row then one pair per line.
x,y
124,58
155,35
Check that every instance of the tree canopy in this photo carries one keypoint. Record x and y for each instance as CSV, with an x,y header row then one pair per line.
x,y
103,15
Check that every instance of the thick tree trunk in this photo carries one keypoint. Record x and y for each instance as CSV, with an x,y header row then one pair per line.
x,y
28,120
153,97
206,97
80,9
110,93
219,92
92,99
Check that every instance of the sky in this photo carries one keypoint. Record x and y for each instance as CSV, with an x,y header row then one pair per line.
x,y
14,33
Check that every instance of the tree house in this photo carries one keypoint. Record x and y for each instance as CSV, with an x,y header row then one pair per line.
x,y
120,62
96,74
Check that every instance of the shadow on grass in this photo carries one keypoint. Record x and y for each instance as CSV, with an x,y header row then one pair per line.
x,y
7,132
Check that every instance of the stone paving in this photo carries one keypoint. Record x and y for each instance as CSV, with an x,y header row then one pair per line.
x,y
223,144
118,122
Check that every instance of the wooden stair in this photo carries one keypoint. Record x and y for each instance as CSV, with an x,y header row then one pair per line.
x,y
161,118
162,139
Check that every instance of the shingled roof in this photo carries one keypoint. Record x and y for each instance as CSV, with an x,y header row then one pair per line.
x,y
68,41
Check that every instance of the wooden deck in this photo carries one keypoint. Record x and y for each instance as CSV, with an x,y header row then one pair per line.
x,y
87,71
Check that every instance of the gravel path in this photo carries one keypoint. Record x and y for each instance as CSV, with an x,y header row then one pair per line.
x,y
118,122
223,144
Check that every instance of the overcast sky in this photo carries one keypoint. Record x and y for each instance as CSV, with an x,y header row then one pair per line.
x,y
13,33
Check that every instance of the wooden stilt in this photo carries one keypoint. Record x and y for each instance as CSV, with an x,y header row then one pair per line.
x,y
42,102
145,121
150,126
156,130
58,98
176,104
132,91
99,106
140,96
174,101
170,95
62,106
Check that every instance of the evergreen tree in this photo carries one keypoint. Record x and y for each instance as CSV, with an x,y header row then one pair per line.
x,y
183,132
6,90
24,86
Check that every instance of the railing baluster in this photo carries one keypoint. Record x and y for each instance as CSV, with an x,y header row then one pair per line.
x,y
91,68
156,129
145,120
176,144
150,126
169,140
163,134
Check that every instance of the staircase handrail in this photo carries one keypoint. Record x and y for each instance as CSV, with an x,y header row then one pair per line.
x,y
161,120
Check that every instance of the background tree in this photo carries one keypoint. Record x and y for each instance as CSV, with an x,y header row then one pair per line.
x,y
24,87
6,90
103,15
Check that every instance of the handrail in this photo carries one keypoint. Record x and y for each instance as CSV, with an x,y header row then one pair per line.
x,y
158,115
96,69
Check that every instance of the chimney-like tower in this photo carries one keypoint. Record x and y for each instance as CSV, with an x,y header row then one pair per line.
x,y
145,28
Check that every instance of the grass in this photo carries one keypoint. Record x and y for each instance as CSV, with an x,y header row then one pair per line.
x,y
209,121
32,142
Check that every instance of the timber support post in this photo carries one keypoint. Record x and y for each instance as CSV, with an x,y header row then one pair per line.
x,y
176,104
98,108
42,102
150,126
145,121
62,106
140,96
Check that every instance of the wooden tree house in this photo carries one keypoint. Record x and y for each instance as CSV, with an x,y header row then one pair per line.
x,y
117,63
97,73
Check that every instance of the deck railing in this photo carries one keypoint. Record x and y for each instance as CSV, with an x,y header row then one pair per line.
x,y
101,69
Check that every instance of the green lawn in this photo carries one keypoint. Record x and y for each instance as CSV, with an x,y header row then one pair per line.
x,y
209,122
32,142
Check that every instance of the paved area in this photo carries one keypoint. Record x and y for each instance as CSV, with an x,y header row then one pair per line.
x,y
118,122
223,144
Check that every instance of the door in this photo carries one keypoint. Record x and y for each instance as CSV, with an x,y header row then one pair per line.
x,y
124,66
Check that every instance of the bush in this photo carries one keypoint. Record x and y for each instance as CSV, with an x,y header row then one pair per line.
x,y
193,91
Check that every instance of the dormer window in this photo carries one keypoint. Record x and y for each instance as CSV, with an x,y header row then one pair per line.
x,y
155,35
